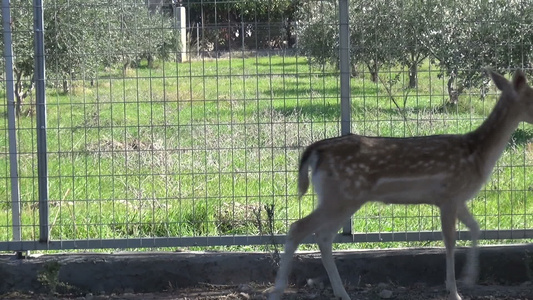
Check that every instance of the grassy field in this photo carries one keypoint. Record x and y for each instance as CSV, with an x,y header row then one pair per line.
x,y
201,148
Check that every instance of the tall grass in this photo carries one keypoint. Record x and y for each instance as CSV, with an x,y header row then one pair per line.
x,y
200,148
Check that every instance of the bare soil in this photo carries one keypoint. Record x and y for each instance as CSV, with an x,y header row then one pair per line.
x,y
506,273
257,292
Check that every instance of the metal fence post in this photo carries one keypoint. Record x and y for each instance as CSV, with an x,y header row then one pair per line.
x,y
180,24
11,124
344,64
40,97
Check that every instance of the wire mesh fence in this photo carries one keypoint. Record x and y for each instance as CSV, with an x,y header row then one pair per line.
x,y
181,123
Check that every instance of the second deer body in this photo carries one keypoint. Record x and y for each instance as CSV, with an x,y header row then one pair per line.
x,y
442,170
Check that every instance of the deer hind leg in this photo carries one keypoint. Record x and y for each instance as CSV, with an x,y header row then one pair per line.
x,y
470,273
324,238
298,231
448,215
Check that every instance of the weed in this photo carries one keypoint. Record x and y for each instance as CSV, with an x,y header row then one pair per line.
x,y
275,249
49,276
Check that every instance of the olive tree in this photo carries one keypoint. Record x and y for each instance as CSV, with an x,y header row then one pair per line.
x,y
477,35
417,20
134,33
74,36
318,33
82,35
370,33
22,39
375,39
381,33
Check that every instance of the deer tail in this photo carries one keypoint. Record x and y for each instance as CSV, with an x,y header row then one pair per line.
x,y
303,171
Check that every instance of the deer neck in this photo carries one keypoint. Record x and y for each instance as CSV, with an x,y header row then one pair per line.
x,y
490,139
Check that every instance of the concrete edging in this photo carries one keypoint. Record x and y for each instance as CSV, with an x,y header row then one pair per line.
x,y
157,271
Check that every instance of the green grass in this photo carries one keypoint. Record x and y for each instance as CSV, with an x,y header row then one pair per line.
x,y
200,148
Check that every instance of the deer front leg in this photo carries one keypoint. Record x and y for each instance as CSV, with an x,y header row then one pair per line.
x,y
470,273
448,216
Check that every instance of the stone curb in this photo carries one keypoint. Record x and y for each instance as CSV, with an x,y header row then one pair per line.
x,y
158,271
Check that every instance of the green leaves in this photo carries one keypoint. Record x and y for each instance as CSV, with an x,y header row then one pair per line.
x,y
81,36
460,39
481,34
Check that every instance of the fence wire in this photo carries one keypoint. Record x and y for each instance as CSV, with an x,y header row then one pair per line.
x,y
181,123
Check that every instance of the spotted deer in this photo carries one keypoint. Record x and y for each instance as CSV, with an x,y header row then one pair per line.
x,y
442,170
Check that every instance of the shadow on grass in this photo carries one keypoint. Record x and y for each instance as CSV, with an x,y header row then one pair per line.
x,y
300,90
521,137
290,62
332,111
323,110
326,111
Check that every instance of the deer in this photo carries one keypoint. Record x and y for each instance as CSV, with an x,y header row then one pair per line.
x,y
442,170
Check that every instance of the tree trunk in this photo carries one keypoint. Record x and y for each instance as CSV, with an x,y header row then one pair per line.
x,y
21,92
413,75
18,93
355,70
452,92
125,66
18,104
373,69
65,87
374,76
291,10
150,60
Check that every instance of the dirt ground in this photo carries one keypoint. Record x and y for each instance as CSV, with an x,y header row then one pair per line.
x,y
256,292
506,273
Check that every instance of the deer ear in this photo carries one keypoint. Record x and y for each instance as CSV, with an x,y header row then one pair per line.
x,y
519,80
499,80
